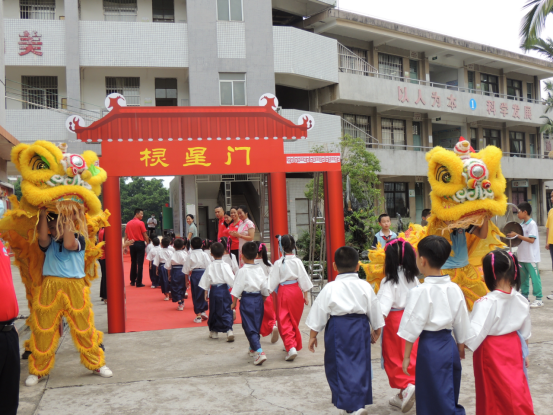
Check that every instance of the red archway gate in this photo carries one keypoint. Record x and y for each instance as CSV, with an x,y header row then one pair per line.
x,y
167,141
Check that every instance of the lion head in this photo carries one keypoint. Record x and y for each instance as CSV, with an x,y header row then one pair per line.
x,y
466,186
50,175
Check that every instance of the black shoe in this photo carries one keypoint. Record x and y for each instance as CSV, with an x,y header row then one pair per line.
x,y
133,284
25,355
140,285
101,346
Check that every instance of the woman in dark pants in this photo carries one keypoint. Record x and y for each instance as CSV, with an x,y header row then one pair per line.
x,y
102,260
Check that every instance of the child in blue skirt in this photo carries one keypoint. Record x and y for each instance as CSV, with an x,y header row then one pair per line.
x,y
217,280
194,268
347,308
177,279
251,286
433,310
163,256
150,257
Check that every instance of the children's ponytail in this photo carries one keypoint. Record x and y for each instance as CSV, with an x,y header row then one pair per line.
x,y
263,250
400,253
226,243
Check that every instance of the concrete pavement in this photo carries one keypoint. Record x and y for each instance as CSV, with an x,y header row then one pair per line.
x,y
183,372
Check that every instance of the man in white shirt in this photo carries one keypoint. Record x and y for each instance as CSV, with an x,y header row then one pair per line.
x,y
152,224
528,254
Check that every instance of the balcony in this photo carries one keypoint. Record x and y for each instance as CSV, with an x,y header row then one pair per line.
x,y
133,44
304,60
33,42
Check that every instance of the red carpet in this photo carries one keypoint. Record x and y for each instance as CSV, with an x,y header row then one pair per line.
x,y
146,309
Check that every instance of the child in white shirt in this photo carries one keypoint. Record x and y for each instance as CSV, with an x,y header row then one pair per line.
x,y
154,278
347,308
217,280
250,285
433,310
269,325
290,281
194,267
177,278
401,271
163,256
229,257
497,320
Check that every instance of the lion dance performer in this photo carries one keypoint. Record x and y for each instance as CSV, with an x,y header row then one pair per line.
x,y
52,232
468,188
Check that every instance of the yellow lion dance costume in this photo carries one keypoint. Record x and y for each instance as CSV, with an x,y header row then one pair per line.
x,y
69,185
467,189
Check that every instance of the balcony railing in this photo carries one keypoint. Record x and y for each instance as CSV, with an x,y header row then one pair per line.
x,y
356,132
350,62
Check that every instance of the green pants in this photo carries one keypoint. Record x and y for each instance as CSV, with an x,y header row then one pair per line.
x,y
530,271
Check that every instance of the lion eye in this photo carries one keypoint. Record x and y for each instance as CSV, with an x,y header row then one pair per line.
x,y
37,163
442,174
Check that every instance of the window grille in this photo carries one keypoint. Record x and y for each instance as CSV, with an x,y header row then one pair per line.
x,y
39,92
120,10
37,9
163,11
128,87
393,131
390,65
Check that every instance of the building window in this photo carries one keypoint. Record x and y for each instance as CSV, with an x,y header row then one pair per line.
x,y
474,138
39,92
37,9
163,11
232,88
417,136
302,215
518,195
414,71
514,89
489,84
397,199
166,92
492,137
120,10
517,145
470,80
529,91
533,146
128,87
393,131
229,10
390,65
357,126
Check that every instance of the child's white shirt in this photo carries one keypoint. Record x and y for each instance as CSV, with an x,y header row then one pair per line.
x,y
250,278
208,253
153,252
293,269
348,294
230,259
178,258
197,259
393,295
171,248
218,272
499,313
527,252
149,247
267,269
163,256
436,305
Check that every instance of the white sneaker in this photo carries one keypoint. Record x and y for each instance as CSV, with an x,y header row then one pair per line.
x,y
252,353
274,336
395,401
230,336
536,304
32,380
166,299
186,295
292,354
180,307
153,286
213,335
408,395
204,316
550,297
260,358
198,320
104,372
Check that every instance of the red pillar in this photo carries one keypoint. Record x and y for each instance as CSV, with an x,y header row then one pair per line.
x,y
114,260
279,210
334,206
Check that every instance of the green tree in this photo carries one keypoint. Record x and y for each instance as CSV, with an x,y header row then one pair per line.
x,y
17,189
534,21
137,192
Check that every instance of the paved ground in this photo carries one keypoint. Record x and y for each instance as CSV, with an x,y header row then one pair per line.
x,y
183,372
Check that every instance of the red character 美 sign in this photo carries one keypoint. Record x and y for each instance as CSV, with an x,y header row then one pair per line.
x,y
30,42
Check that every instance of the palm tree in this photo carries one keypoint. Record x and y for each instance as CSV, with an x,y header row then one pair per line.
x,y
534,21
542,46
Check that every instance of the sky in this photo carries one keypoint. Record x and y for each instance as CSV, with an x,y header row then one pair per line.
x,y
490,22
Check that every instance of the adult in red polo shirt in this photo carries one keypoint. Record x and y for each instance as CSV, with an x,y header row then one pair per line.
x,y
136,231
220,215
9,340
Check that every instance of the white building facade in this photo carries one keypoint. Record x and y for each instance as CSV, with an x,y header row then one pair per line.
x,y
402,90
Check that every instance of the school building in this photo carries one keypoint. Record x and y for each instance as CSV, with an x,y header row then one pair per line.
x,y
401,89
